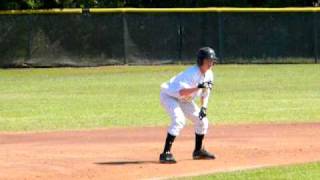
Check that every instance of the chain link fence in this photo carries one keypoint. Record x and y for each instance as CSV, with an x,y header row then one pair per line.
x,y
97,38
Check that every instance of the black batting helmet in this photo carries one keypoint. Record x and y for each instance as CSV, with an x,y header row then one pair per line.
x,y
206,53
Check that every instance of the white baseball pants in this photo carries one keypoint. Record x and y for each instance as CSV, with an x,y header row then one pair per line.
x,y
179,111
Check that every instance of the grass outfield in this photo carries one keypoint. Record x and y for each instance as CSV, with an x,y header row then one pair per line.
x,y
126,96
293,172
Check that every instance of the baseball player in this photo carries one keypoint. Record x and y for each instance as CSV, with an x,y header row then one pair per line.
x,y
177,97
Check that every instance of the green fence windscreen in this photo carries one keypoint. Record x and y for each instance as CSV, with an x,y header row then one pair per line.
x,y
267,37
76,40
196,31
151,38
14,38
49,40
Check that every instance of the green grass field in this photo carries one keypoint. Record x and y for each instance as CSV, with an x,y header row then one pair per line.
x,y
126,96
309,171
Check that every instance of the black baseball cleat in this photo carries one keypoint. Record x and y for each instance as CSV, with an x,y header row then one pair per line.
x,y
167,158
202,154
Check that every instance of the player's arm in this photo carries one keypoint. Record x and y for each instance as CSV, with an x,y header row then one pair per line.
x,y
204,99
206,91
188,91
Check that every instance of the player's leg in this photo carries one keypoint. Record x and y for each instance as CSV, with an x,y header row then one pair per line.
x,y
191,110
173,109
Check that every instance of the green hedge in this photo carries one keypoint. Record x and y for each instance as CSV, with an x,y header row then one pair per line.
x,y
47,4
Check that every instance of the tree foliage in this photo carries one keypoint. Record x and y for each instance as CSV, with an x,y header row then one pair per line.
x,y
47,4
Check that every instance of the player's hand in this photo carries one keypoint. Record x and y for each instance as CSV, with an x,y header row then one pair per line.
x,y
202,113
206,85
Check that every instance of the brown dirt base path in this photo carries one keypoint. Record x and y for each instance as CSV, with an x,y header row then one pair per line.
x,y
133,153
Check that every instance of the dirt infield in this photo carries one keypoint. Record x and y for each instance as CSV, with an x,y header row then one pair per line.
x,y
133,153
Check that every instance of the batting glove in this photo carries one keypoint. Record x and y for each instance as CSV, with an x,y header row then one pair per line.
x,y
202,113
207,85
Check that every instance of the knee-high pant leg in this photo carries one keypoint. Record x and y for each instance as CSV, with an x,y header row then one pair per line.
x,y
172,107
191,111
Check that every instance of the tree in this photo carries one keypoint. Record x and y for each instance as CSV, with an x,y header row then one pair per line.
x,y
48,4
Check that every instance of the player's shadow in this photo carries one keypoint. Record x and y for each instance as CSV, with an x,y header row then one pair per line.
x,y
119,163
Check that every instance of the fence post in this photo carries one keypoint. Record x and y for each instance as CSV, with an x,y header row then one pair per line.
x,y
220,36
30,39
125,35
180,35
315,37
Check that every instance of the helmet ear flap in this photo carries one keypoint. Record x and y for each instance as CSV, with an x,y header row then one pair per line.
x,y
199,62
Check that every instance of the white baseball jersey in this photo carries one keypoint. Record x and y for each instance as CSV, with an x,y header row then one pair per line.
x,y
178,107
189,78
